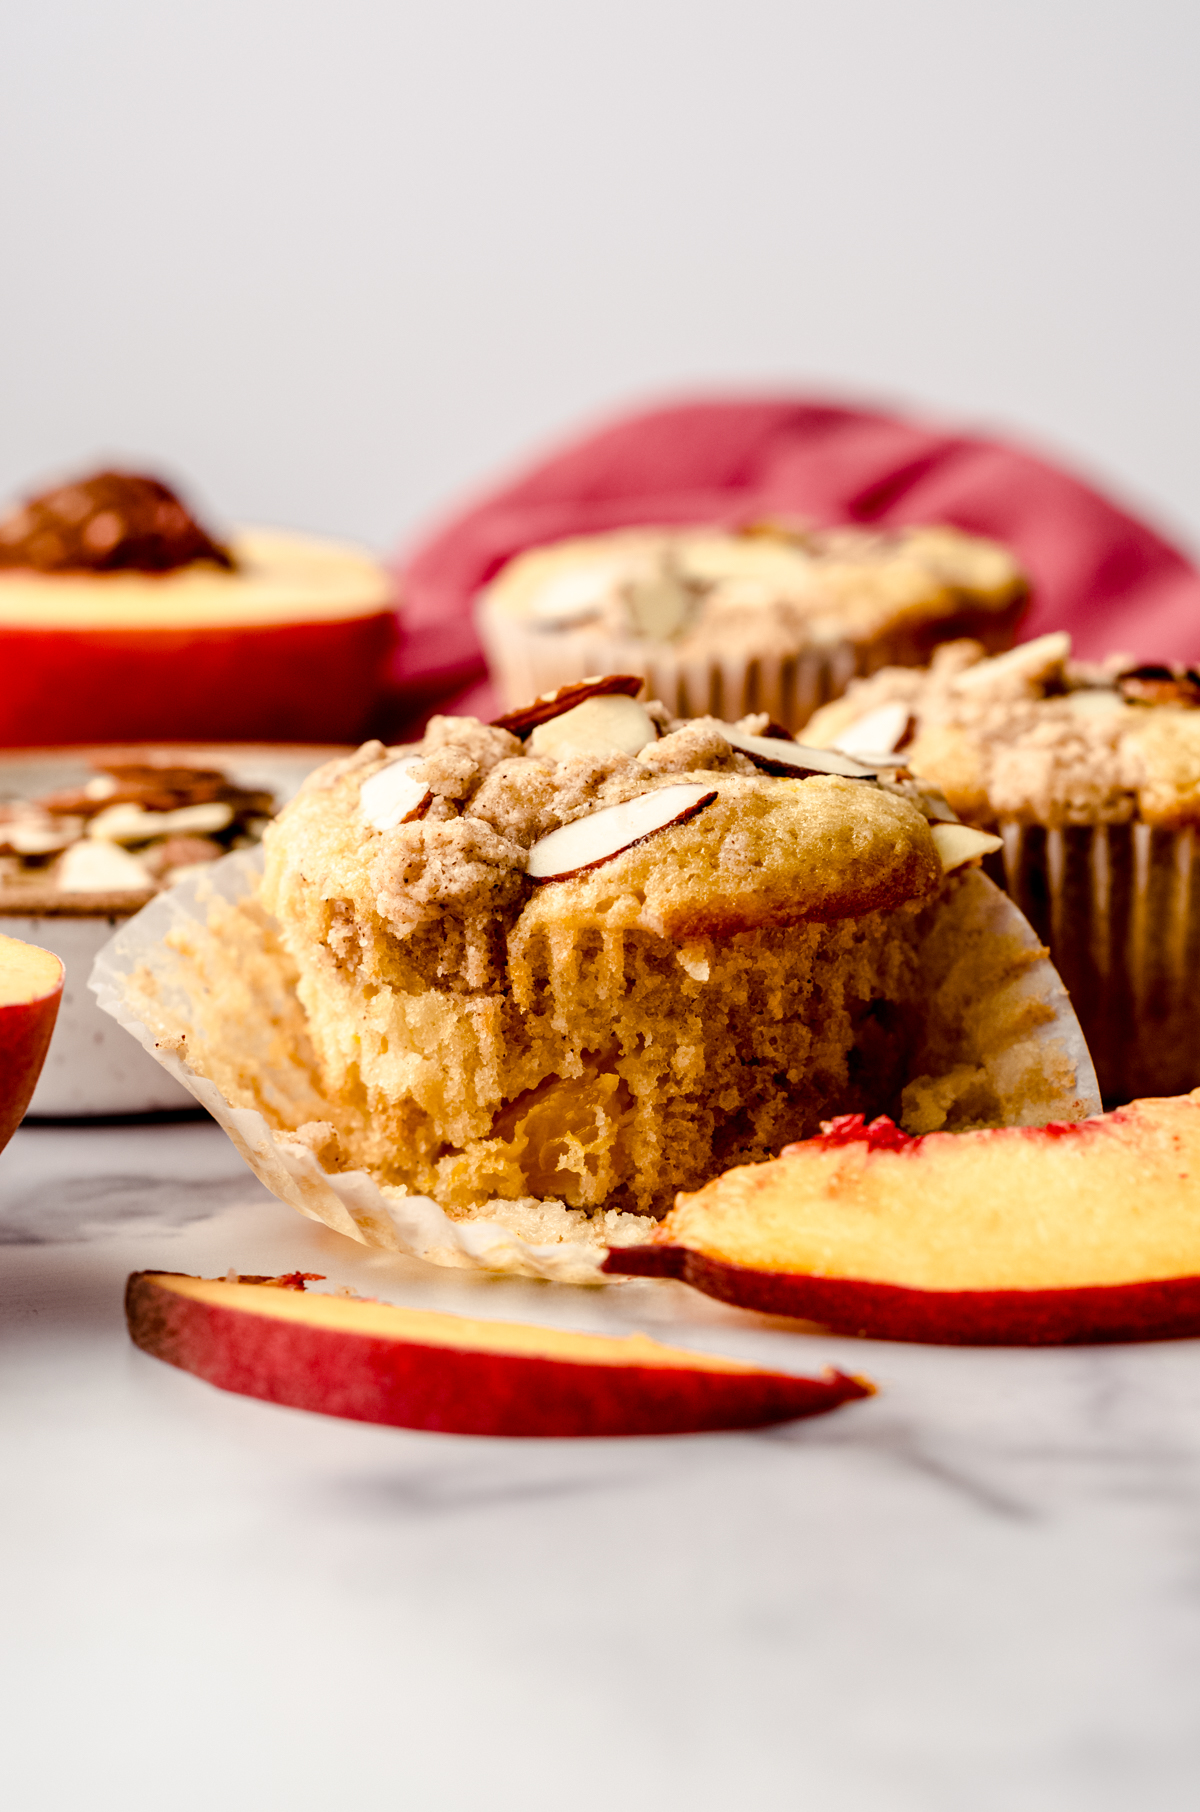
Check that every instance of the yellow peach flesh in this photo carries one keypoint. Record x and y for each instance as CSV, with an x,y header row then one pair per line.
x,y
282,578
27,973
1115,1200
430,1327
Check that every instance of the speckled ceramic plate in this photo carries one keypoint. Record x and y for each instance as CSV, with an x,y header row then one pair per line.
x,y
94,1068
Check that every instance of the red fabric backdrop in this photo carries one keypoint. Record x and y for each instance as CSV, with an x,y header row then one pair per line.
x,y
1096,570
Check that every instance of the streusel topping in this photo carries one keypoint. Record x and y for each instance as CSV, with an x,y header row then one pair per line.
x,y
451,881
1034,736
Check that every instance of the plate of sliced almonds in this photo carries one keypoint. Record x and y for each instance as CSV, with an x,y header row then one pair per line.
x,y
87,837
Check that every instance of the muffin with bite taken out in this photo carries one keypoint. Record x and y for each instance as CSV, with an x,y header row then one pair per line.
x,y
559,966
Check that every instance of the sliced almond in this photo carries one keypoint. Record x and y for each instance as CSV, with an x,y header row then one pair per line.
x,y
613,724
96,866
130,824
879,761
573,596
793,760
553,704
609,832
659,604
935,805
1094,701
878,732
1029,661
959,843
394,796
33,839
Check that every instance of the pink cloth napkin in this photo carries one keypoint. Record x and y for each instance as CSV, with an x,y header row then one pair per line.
x,y
1096,570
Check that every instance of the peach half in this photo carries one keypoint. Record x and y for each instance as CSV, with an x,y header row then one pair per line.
x,y
418,1368
1015,1236
31,984
290,647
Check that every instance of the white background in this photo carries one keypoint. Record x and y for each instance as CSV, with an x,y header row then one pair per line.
x,y
335,264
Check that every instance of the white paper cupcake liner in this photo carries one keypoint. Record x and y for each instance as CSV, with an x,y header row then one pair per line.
x,y
1119,907
526,661
1031,1049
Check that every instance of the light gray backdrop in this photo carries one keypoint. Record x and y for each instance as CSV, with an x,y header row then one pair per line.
x,y
334,263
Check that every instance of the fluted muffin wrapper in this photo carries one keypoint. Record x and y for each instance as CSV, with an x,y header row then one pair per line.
x,y
1119,907
152,978
789,685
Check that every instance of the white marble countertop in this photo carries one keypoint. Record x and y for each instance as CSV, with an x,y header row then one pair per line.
x,y
979,1590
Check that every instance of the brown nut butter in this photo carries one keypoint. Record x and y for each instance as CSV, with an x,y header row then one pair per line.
x,y
111,522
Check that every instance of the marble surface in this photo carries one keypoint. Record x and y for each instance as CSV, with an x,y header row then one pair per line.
x,y
979,1590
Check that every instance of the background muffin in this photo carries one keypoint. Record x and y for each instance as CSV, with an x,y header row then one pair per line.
x,y
1091,775
772,619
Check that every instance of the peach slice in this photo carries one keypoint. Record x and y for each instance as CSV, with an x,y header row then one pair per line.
x,y
1012,1236
31,983
418,1368
292,647
959,843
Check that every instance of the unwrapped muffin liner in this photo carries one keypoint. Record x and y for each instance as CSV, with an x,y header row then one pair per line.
x,y
527,660
1119,907
152,976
